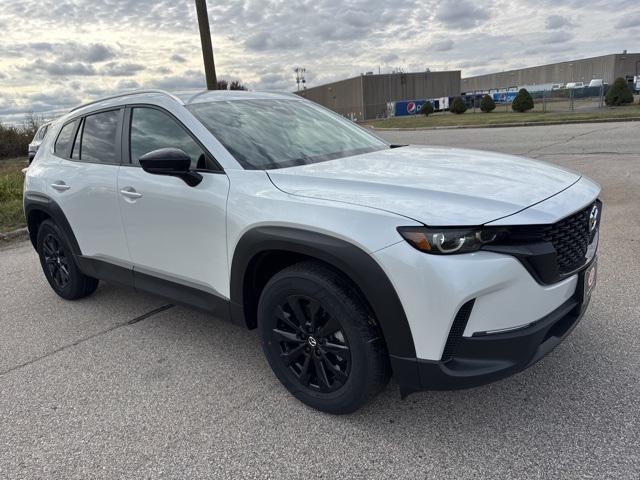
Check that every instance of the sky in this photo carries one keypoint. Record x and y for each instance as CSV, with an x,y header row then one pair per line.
x,y
55,54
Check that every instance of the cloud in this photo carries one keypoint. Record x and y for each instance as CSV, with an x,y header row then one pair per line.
x,y
59,69
554,22
177,58
442,45
188,80
629,21
115,69
93,53
274,81
462,14
557,37
127,85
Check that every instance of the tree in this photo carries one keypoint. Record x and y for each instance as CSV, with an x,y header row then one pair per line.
x,y
523,101
236,85
427,108
457,106
223,84
487,104
619,93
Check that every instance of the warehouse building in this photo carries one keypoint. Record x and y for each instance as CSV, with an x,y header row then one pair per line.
x,y
607,68
368,96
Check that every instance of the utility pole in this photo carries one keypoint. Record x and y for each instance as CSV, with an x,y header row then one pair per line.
x,y
207,48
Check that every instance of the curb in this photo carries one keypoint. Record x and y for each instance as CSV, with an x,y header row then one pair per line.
x,y
14,234
507,125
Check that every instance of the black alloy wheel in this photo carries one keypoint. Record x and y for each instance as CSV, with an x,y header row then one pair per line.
x,y
321,338
59,265
312,344
56,261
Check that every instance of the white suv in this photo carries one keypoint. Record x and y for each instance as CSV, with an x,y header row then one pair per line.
x,y
356,260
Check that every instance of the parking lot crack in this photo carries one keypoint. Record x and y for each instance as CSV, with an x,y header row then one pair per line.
x,y
81,340
564,141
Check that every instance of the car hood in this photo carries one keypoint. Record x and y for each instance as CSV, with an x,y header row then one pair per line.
x,y
433,185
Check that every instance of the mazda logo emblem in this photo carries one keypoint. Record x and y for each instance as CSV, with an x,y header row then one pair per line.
x,y
593,218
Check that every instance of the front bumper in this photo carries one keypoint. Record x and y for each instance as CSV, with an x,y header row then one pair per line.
x,y
486,358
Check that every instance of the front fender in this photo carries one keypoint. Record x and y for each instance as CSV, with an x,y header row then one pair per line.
x,y
358,265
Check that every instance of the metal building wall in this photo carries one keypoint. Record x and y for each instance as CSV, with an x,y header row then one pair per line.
x,y
607,67
627,65
380,89
366,96
343,97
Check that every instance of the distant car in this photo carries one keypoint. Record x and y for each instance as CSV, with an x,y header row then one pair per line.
x,y
596,82
37,140
355,259
557,86
575,85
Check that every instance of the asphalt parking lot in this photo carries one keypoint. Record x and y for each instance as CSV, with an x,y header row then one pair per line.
x,y
99,389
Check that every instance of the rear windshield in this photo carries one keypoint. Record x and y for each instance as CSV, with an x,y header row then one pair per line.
x,y
268,134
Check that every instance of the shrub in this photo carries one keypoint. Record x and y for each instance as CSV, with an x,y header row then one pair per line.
x,y
15,139
487,104
523,101
427,108
619,93
457,106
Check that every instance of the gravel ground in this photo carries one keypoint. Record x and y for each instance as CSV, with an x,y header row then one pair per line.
x,y
94,389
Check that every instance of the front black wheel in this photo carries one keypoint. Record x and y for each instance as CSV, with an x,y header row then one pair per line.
x,y
320,338
59,266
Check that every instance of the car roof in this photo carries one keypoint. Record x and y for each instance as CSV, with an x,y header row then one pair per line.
x,y
182,97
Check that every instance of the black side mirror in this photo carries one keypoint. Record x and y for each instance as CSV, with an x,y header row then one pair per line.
x,y
170,161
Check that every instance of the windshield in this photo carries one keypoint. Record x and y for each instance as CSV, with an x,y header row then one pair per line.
x,y
267,134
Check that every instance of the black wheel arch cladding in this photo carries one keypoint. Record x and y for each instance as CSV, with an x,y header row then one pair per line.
x,y
38,207
352,261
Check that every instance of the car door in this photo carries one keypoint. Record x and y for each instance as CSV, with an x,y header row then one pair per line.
x,y
84,184
176,233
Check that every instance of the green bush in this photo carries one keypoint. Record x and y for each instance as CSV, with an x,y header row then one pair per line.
x,y
523,101
14,140
427,108
487,104
619,93
457,106
11,179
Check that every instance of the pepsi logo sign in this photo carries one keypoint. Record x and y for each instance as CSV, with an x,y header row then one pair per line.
x,y
411,108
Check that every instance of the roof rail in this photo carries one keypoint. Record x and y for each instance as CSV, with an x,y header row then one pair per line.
x,y
126,94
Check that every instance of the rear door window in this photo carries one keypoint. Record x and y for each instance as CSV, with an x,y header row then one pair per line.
x,y
98,142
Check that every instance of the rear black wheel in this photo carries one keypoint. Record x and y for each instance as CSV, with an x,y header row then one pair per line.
x,y
320,338
59,266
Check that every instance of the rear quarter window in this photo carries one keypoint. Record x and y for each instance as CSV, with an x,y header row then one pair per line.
x,y
64,140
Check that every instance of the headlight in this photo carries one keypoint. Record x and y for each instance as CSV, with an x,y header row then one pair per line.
x,y
445,241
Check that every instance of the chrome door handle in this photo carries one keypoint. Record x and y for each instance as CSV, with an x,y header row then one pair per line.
x,y
60,186
130,193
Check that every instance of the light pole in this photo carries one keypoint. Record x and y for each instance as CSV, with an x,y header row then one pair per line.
x,y
207,48
300,72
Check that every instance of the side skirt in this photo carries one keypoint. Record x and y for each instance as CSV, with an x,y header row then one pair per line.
x,y
171,290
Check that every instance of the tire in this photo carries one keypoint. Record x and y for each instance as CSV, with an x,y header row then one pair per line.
x,y
335,358
59,266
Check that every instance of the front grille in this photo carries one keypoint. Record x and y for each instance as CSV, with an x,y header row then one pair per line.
x,y
457,329
571,238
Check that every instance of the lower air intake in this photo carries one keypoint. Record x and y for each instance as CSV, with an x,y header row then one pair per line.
x,y
457,329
